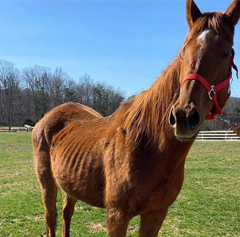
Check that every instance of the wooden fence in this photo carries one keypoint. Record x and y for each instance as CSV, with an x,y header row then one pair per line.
x,y
217,136
13,129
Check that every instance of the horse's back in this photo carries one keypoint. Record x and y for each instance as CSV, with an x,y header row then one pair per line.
x,y
56,119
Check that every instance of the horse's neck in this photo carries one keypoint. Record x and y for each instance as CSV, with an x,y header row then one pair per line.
x,y
148,115
145,121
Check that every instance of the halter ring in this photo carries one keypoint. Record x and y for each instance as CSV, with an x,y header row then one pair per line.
x,y
210,92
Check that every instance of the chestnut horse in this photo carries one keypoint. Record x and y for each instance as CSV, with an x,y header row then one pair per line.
x,y
132,162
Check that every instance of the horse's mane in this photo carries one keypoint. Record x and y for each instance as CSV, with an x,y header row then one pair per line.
x,y
149,111
148,114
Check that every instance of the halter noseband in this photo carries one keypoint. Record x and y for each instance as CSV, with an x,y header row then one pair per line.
x,y
213,89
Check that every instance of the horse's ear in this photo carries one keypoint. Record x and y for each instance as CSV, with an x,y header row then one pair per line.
x,y
233,13
193,12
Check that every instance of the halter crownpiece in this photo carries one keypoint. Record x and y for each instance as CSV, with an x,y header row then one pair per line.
x,y
213,89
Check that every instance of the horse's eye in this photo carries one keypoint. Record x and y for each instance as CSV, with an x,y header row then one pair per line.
x,y
225,56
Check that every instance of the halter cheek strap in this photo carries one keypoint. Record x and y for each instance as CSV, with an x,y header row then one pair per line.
x,y
213,89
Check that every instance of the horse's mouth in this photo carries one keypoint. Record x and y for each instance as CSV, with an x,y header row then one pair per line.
x,y
187,138
184,139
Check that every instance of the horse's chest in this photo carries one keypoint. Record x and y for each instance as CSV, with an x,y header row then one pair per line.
x,y
168,191
164,193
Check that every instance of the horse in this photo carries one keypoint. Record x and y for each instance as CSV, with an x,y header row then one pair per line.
x,y
132,162
28,127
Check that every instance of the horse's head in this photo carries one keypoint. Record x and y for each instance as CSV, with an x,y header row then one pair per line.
x,y
206,60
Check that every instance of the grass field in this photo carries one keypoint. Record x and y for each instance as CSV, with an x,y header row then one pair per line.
x,y
208,205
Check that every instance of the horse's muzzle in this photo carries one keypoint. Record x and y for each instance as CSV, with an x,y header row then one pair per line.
x,y
186,123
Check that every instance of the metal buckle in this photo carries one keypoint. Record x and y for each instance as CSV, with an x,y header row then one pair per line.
x,y
210,92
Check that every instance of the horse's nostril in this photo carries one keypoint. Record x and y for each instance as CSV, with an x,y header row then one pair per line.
x,y
194,119
172,118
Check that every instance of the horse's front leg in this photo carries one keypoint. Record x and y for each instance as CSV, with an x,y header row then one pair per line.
x,y
117,223
151,223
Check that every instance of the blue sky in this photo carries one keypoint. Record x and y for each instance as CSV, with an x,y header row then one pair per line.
x,y
123,43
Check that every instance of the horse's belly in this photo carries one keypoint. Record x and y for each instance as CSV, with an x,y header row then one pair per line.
x,y
87,190
91,195
81,179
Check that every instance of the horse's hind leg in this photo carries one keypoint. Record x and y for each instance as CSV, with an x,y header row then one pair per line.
x,y
67,212
49,196
49,192
151,223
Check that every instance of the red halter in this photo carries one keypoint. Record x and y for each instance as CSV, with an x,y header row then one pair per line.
x,y
213,89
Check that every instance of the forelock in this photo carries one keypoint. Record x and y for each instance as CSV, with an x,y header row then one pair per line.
x,y
212,21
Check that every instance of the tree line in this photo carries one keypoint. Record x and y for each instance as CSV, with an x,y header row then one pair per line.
x,y
26,95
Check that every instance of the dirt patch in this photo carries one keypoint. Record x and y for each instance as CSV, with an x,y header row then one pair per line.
x,y
97,227
35,218
132,229
11,175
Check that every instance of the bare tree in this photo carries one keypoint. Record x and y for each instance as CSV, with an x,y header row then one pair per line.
x,y
85,90
58,80
10,89
38,81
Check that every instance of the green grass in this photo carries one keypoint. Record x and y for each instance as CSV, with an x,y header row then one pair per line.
x,y
208,205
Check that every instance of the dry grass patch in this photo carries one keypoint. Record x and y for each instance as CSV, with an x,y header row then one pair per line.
x,y
96,227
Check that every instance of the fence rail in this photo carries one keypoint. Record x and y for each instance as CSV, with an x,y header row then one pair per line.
x,y
13,129
217,136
